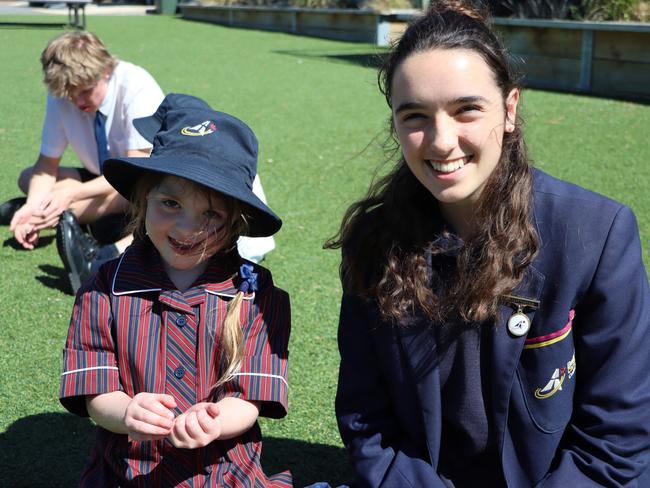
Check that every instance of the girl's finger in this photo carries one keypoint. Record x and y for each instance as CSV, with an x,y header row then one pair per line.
x,y
141,428
167,400
157,404
192,426
206,422
179,431
160,411
213,410
164,419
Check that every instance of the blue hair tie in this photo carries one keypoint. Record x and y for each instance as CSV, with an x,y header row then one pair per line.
x,y
248,279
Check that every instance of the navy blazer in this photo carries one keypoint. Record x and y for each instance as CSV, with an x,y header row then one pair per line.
x,y
569,402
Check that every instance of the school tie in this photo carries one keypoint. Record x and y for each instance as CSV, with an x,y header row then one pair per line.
x,y
100,138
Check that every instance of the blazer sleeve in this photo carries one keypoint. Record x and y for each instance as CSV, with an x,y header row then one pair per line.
x,y
608,439
380,454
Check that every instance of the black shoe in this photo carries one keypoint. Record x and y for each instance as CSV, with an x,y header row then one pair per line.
x,y
9,208
76,249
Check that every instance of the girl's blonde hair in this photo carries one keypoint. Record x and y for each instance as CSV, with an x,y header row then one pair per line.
x,y
231,336
232,341
75,60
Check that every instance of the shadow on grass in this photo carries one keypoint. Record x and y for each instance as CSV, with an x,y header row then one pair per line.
x,y
52,449
367,60
54,277
308,462
631,98
13,243
48,449
31,25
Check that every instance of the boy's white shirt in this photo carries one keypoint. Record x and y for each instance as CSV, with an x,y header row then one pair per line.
x,y
255,248
132,92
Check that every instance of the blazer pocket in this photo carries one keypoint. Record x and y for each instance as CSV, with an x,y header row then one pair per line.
x,y
546,374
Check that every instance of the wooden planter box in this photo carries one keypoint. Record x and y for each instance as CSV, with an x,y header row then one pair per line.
x,y
604,58
345,25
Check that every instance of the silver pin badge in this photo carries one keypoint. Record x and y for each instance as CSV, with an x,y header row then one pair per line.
x,y
519,323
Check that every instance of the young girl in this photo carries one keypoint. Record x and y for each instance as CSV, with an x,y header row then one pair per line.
x,y
495,323
177,347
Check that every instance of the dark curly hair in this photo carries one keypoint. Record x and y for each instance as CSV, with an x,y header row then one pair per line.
x,y
387,237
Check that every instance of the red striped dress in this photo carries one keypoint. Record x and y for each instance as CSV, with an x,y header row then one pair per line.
x,y
132,330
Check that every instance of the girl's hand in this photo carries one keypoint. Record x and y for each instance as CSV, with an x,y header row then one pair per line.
x,y
148,416
197,427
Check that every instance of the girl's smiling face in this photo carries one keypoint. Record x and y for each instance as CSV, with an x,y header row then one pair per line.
x,y
450,116
184,226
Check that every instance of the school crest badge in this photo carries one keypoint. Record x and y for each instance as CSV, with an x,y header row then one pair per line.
x,y
557,379
202,129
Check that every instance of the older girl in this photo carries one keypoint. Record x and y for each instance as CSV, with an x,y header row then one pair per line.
x,y
495,323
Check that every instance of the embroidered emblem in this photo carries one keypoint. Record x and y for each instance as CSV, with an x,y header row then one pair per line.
x,y
557,379
571,366
202,129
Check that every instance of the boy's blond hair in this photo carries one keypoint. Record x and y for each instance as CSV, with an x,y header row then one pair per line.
x,y
75,60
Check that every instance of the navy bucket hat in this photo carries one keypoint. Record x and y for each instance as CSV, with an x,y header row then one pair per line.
x,y
211,148
149,126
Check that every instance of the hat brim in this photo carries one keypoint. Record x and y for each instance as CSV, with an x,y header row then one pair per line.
x,y
148,126
123,174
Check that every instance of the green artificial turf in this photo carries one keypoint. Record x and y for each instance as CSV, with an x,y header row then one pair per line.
x,y
320,120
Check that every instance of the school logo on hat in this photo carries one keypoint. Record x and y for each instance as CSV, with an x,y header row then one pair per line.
x,y
202,129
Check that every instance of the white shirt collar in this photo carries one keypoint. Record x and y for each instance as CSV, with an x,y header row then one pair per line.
x,y
109,98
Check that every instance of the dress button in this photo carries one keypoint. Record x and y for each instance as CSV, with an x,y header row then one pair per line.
x,y
181,321
179,372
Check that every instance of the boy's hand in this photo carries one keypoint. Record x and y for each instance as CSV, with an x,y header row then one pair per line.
x,y
23,226
197,427
148,416
56,202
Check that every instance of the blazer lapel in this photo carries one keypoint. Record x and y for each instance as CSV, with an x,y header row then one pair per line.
x,y
419,348
506,351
